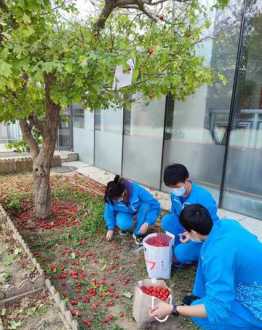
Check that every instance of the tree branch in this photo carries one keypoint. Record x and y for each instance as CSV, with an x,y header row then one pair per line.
x,y
147,13
3,5
106,12
28,137
2,8
37,123
150,3
52,118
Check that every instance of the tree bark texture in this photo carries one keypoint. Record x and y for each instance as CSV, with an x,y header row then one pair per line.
x,y
42,157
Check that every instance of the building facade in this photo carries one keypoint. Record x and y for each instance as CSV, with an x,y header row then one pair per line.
x,y
216,133
9,132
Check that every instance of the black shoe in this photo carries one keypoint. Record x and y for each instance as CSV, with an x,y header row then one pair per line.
x,y
187,300
123,233
139,239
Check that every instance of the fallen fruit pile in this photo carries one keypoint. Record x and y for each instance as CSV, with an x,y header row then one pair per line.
x,y
64,214
160,240
155,291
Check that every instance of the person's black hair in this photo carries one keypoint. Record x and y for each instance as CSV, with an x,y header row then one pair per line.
x,y
114,189
196,217
176,173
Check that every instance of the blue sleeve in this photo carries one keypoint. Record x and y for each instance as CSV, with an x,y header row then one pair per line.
x,y
148,202
146,197
109,216
219,276
209,203
176,205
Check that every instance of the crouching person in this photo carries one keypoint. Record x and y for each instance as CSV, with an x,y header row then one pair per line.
x,y
227,293
184,192
130,207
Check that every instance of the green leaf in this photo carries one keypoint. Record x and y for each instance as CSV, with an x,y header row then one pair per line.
x,y
127,294
8,260
3,312
69,68
5,69
17,251
13,325
26,19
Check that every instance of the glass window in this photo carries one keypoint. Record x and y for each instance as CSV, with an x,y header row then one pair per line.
x,y
143,141
84,138
65,131
108,139
243,183
78,117
195,129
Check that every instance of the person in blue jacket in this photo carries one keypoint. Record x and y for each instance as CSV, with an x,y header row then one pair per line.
x,y
184,192
129,206
227,293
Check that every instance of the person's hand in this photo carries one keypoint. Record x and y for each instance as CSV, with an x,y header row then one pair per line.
x,y
143,228
184,237
161,310
109,235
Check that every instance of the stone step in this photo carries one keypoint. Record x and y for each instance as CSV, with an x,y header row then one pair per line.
x,y
67,156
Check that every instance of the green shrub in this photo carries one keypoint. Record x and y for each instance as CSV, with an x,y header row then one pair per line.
x,y
22,146
14,201
18,146
92,221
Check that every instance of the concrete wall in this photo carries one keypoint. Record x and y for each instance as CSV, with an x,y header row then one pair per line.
x,y
22,164
83,139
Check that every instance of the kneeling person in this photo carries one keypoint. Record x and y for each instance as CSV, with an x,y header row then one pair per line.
x,y
228,284
129,206
184,192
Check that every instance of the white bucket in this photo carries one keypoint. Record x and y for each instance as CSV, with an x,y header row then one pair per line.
x,y
158,259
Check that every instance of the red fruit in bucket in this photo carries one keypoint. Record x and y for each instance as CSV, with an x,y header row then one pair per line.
x,y
159,240
158,292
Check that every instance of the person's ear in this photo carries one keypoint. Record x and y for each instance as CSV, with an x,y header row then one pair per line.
x,y
194,233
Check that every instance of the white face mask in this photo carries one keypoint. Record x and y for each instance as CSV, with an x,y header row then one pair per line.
x,y
179,192
196,240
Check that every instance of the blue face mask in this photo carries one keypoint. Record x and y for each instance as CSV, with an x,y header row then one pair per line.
x,y
179,192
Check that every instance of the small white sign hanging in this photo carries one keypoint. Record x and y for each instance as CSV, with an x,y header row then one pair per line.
x,y
123,78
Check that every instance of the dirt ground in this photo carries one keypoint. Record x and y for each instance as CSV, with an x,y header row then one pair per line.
x,y
17,273
31,313
96,278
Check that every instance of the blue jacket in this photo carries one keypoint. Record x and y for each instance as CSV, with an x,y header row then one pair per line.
x,y
137,196
198,195
229,276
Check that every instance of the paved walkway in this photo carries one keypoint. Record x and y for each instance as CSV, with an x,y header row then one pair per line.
x,y
65,155
12,154
103,177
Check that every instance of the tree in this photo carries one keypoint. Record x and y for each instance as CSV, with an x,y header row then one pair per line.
x,y
48,62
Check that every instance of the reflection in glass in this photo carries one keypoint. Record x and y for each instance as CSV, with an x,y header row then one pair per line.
x,y
195,132
243,185
143,140
108,139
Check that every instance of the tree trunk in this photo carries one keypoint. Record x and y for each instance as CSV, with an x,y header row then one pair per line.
x,y
42,163
41,187
42,158
41,167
